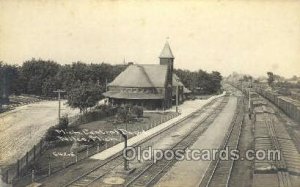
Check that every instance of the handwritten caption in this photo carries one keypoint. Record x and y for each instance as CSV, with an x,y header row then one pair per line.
x,y
86,135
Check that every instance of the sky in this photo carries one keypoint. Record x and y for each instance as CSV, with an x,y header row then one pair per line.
x,y
250,37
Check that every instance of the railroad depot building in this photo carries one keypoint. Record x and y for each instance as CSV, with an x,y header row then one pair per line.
x,y
153,86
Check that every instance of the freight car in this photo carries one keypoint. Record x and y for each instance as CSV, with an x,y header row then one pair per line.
x,y
288,105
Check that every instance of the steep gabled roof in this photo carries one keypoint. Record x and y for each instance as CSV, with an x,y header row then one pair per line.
x,y
176,80
166,52
141,76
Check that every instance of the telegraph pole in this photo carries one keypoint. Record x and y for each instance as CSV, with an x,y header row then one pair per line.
x,y
126,164
106,85
177,99
58,92
250,111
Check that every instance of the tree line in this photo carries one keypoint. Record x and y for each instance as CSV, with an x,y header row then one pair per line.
x,y
84,83
42,77
200,82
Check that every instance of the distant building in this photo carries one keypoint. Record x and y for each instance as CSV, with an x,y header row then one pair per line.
x,y
152,86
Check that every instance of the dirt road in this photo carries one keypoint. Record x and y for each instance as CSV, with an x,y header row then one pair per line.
x,y
23,127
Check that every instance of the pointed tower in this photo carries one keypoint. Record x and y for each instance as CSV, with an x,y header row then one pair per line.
x,y
166,57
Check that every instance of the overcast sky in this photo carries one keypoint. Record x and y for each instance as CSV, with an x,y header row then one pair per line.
x,y
247,37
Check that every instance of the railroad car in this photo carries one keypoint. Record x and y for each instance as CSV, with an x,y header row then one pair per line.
x,y
286,104
298,114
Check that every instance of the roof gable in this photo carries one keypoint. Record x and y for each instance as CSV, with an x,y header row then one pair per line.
x,y
176,80
142,76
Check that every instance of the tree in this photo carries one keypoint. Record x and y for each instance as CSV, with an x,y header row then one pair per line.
x,y
35,72
216,79
34,85
49,85
84,95
294,78
247,78
187,77
200,81
270,78
41,77
79,71
203,82
1,84
9,81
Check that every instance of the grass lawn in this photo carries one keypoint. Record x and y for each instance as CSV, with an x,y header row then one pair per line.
x,y
150,119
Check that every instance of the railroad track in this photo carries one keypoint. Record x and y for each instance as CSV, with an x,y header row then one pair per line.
x,y
154,171
282,173
219,171
276,137
96,174
280,164
104,168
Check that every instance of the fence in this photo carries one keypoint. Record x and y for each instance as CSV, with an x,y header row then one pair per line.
x,y
20,168
22,171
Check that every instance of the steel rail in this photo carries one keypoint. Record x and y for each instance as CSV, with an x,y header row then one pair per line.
x,y
118,155
167,163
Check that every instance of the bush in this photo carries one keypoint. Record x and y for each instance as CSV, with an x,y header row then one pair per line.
x,y
129,113
108,109
138,111
51,134
123,115
98,113
63,122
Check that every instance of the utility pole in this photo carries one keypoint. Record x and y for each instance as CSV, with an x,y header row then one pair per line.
x,y
250,112
58,92
242,86
249,97
106,85
126,165
177,98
